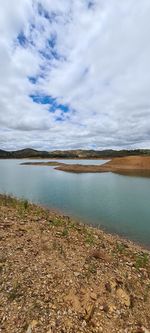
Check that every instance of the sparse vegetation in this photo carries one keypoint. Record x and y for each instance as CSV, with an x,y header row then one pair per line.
x,y
25,204
57,222
89,239
89,236
65,232
61,276
120,247
79,153
141,260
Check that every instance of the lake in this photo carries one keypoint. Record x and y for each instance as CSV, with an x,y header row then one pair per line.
x,y
119,204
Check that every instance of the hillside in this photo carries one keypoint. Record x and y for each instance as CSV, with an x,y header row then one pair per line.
x,y
24,153
4,154
59,276
132,162
89,154
72,154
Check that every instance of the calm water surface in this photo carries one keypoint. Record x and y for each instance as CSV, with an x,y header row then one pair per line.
x,y
121,204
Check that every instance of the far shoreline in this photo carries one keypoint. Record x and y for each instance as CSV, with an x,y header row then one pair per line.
x,y
133,165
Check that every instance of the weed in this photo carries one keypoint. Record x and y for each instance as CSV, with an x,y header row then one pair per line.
x,y
15,292
120,247
47,215
89,239
72,225
25,204
65,232
8,201
56,222
141,260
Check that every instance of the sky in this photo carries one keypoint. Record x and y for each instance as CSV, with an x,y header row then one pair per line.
x,y
74,74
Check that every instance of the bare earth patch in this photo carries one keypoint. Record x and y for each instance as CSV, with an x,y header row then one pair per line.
x,y
58,276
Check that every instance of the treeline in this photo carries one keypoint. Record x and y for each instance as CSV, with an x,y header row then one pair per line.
x,y
72,154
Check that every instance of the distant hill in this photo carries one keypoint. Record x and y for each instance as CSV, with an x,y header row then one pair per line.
x,y
4,154
72,154
27,153
24,153
89,154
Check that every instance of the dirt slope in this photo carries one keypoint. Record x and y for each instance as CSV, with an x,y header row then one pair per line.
x,y
132,162
121,164
57,276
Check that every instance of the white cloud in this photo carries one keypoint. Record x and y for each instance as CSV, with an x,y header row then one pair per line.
x,y
94,58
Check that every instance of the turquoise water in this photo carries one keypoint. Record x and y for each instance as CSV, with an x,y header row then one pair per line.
x,y
120,204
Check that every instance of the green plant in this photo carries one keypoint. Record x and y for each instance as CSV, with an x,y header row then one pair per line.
x,y
65,232
47,215
120,247
141,260
25,204
56,222
72,225
89,239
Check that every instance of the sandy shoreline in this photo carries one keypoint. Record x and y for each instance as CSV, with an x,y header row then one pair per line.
x,y
58,275
133,165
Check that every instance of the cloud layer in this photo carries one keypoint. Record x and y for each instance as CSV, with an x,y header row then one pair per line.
x,y
74,74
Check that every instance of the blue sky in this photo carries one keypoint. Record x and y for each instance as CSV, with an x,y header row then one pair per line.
x,y
74,74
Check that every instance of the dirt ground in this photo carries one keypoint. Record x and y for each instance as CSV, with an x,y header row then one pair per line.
x,y
59,276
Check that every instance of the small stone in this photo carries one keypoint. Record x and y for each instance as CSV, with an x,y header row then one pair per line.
x,y
90,312
104,308
69,311
145,330
34,323
139,330
108,287
93,296
31,326
84,323
112,308
29,330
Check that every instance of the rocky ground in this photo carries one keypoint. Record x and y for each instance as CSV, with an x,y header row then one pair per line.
x,y
58,276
